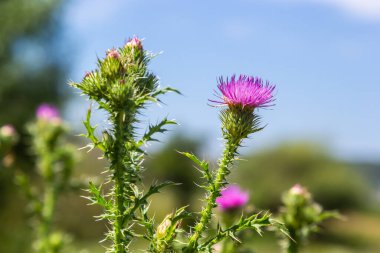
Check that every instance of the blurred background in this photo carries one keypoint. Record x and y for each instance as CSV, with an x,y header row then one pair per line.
x,y
323,55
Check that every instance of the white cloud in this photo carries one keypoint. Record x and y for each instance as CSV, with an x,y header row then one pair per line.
x,y
367,9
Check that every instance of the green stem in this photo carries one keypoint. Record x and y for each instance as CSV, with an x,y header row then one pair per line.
x,y
292,245
48,204
117,164
47,218
214,192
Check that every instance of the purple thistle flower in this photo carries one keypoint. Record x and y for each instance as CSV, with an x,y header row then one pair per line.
x,y
47,112
246,91
232,197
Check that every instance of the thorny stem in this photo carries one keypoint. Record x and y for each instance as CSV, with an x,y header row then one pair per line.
x,y
118,167
214,192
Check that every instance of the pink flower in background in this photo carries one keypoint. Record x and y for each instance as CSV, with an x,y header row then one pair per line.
x,y
232,197
246,91
47,112
298,189
7,130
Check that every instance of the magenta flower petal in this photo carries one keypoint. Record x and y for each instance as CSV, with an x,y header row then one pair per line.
x,y
232,197
246,91
47,112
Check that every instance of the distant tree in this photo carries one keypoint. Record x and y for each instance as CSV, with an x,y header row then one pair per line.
x,y
334,184
31,69
31,72
168,164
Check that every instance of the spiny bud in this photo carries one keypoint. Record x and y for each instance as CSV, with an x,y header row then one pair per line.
x,y
134,43
113,53
86,74
299,190
162,229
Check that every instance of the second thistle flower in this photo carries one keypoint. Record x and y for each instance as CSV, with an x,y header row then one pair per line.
x,y
232,197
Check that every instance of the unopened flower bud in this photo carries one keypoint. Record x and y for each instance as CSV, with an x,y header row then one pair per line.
x,y
134,43
7,131
298,189
113,53
86,74
162,229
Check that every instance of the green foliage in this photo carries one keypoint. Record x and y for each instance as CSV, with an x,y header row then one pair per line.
x,y
31,72
255,222
26,82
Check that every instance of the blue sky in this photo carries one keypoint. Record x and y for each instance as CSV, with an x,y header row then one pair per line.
x,y
323,55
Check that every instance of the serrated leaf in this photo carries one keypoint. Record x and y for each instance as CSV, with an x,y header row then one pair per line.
x,y
153,129
203,165
91,132
97,196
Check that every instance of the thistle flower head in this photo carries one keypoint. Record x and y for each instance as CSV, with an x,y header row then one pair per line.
x,y
245,91
134,42
47,112
232,197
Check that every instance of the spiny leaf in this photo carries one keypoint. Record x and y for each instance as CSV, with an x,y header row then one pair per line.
x,y
158,128
97,196
204,166
155,188
91,132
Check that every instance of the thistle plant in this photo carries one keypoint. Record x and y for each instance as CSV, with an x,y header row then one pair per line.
x,y
240,98
123,86
54,162
302,216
